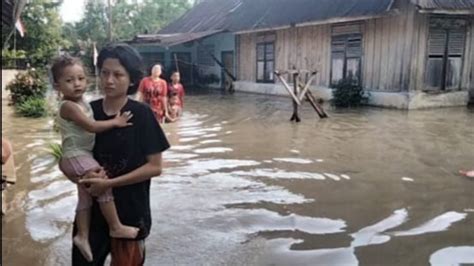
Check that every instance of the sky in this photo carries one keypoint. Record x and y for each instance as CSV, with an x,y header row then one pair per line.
x,y
72,10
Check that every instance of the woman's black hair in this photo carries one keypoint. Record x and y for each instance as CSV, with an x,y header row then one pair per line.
x,y
129,58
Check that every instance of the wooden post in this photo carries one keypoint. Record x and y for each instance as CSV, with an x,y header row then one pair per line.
x,y
109,29
306,87
301,91
312,100
295,116
176,62
287,87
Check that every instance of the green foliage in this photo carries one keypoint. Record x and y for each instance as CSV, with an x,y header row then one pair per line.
x,y
348,93
32,107
13,54
27,85
43,31
55,150
10,58
129,18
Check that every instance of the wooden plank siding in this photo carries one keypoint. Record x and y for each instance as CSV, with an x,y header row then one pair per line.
x,y
304,48
247,57
394,51
468,73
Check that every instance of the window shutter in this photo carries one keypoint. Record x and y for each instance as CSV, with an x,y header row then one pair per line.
x,y
346,29
437,42
354,46
456,42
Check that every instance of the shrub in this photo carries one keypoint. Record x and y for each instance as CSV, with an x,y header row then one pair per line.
x,y
12,59
348,93
32,107
27,85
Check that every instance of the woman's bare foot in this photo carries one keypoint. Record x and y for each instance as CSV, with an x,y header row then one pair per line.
x,y
467,173
124,231
83,245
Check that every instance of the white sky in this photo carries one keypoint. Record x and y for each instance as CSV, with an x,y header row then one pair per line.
x,y
72,10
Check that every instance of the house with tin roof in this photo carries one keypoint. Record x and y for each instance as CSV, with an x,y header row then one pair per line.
x,y
408,54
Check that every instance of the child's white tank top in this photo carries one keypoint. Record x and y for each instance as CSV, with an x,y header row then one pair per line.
x,y
75,140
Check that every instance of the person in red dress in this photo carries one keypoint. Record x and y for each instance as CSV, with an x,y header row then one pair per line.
x,y
153,91
176,87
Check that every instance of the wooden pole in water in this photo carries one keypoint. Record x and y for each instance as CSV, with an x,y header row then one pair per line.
x,y
287,87
295,116
312,100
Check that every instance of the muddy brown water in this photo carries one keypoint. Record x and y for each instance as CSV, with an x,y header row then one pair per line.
x,y
244,186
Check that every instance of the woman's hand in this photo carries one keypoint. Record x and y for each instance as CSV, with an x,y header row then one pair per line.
x,y
93,181
121,120
96,186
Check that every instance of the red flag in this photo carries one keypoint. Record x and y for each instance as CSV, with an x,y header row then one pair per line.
x,y
20,27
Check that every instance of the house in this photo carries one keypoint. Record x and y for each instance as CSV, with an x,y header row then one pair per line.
x,y
197,43
11,10
407,53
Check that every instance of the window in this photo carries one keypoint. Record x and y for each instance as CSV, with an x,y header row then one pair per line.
x,y
204,54
346,53
265,57
445,53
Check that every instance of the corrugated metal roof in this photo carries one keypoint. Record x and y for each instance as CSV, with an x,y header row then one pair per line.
x,y
168,40
208,15
241,15
260,14
445,4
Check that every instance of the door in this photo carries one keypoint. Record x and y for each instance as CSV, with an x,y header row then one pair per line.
x,y
227,59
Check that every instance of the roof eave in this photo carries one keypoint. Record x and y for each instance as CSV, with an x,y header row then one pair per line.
x,y
320,22
447,11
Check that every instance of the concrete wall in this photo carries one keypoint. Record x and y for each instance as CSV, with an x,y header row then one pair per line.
x,y
398,100
221,42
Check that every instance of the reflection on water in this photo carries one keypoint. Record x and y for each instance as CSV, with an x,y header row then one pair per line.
x,y
244,186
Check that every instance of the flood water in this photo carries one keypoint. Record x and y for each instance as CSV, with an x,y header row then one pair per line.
x,y
244,186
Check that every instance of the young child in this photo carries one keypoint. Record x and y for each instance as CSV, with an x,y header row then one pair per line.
x,y
77,127
174,108
176,87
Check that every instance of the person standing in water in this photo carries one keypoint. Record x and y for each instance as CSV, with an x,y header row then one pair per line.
x,y
77,128
153,91
131,156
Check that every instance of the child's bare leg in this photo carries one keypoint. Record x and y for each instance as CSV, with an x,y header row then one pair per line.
x,y
117,229
81,239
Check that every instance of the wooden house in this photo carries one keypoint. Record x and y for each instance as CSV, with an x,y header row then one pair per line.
x,y
196,43
407,53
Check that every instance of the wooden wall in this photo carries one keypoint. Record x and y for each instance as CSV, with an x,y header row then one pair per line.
x,y
387,51
468,74
303,48
394,51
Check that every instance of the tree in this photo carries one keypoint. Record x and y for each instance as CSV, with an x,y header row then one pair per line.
x,y
43,31
129,18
